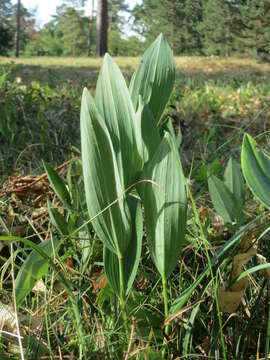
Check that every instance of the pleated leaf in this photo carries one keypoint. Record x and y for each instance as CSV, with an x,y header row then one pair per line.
x,y
103,185
131,256
177,138
256,169
58,185
233,179
33,269
57,219
164,199
149,131
222,199
154,77
115,106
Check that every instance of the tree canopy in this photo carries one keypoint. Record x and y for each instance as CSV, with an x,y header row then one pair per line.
x,y
204,27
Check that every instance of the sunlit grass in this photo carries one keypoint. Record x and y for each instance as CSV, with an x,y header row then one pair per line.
x,y
185,63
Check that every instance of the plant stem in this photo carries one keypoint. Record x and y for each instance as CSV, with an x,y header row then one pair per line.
x,y
165,299
166,312
122,297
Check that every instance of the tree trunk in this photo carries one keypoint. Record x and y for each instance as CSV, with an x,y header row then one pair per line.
x,y
91,27
17,31
102,28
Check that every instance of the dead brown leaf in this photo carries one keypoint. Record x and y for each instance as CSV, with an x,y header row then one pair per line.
x,y
99,281
230,299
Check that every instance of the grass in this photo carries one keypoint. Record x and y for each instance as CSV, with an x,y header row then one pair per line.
x,y
214,101
42,68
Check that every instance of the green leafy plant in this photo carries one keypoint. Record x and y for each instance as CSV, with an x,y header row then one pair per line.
x,y
164,200
228,196
256,169
123,148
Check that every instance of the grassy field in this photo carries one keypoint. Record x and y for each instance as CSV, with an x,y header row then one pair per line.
x,y
213,103
43,68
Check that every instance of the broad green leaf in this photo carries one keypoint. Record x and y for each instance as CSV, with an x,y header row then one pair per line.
x,y
154,77
164,199
57,219
131,256
69,177
217,259
233,179
222,199
103,186
178,139
86,248
32,270
149,131
58,185
256,169
115,106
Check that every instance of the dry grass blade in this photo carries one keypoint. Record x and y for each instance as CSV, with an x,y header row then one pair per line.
x,y
131,339
178,314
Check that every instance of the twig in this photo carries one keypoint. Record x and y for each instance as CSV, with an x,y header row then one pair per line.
x,y
41,177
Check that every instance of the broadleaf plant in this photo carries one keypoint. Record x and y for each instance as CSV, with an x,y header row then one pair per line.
x,y
124,148
164,198
228,196
33,269
165,205
233,179
58,185
131,256
256,169
115,106
104,187
154,77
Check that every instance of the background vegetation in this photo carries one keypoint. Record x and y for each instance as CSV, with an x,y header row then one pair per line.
x,y
192,27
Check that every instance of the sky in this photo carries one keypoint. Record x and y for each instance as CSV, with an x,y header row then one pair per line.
x,y
46,8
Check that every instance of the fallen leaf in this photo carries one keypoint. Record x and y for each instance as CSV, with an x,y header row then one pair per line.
x,y
229,300
99,281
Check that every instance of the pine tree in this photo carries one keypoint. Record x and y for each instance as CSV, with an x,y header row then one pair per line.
x,y
179,20
254,32
217,27
73,27
193,16
6,29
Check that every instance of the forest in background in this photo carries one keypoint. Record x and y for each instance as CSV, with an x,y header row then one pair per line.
x,y
192,27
